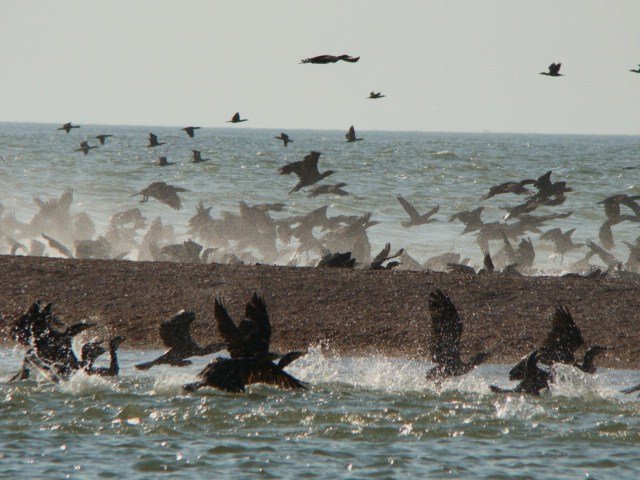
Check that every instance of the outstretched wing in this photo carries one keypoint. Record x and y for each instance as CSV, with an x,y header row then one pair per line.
x,y
270,374
410,209
256,311
446,329
175,332
563,339
228,330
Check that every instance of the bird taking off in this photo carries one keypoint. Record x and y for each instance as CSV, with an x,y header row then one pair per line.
x,y
236,118
554,70
323,59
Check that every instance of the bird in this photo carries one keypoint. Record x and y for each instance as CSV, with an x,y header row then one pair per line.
x,y
91,351
190,130
167,194
534,379
328,189
236,118
248,346
351,135
613,202
197,157
509,187
446,331
306,170
470,218
636,71
324,59
84,148
153,141
383,256
414,217
102,137
68,126
285,138
176,336
374,95
554,70
162,161
562,241
336,260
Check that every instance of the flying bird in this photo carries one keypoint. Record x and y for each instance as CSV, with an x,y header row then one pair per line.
x,y
554,70
84,148
190,130
328,190
153,141
197,157
351,135
306,170
636,71
162,161
285,138
167,194
236,118
324,59
101,138
374,95
414,217
68,126
509,187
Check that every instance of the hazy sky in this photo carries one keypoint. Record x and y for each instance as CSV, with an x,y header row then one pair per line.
x,y
444,65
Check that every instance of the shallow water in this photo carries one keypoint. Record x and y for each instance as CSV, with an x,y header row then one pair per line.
x,y
450,169
361,418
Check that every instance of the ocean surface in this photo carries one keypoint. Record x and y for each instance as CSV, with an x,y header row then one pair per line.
x,y
452,170
360,418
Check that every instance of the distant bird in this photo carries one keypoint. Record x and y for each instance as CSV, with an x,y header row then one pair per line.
x,y
236,118
554,70
470,218
68,126
509,187
414,217
167,194
190,130
101,138
84,148
175,335
636,71
153,141
197,157
328,190
324,59
374,95
562,241
351,135
446,331
612,204
306,170
285,138
162,161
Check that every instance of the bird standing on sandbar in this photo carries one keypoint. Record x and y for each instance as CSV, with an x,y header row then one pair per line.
x,y
153,141
236,118
68,126
324,59
190,130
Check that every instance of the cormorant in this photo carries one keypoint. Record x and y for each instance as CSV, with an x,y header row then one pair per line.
x,y
190,130
328,189
153,141
324,59
509,187
554,70
414,217
101,138
197,157
91,351
374,95
285,138
562,241
306,170
167,194
351,135
336,260
446,331
84,148
175,335
236,118
383,256
68,126
534,379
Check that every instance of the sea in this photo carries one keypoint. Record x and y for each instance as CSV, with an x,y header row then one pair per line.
x,y
360,418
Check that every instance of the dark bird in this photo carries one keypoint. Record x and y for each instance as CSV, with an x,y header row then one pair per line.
x,y
101,138
562,241
534,379
162,161
285,138
248,345
612,204
509,187
328,190
175,334
414,217
167,194
383,256
470,218
351,135
337,260
91,352
190,130
153,141
554,70
636,71
547,188
197,157
84,148
374,95
68,126
446,331
324,59
236,118
306,170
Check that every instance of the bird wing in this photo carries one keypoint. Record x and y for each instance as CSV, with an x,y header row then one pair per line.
x,y
289,168
410,209
175,332
564,337
235,117
632,204
269,373
256,311
433,211
225,374
228,330
56,245
381,257
153,138
446,329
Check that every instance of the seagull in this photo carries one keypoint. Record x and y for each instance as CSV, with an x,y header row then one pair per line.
x,y
554,70
102,138
197,157
68,126
236,118
324,59
414,217
84,148
167,194
190,130
374,95
351,135
175,335
285,138
162,161
153,141
306,170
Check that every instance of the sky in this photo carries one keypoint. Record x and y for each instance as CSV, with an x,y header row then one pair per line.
x,y
449,65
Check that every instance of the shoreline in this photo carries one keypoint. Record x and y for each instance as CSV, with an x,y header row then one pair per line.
x,y
348,312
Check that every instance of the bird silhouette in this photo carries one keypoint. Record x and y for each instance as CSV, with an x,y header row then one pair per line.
x,y
285,138
351,135
84,148
374,95
102,137
153,141
306,170
190,130
68,126
236,118
554,70
324,59
167,194
414,217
